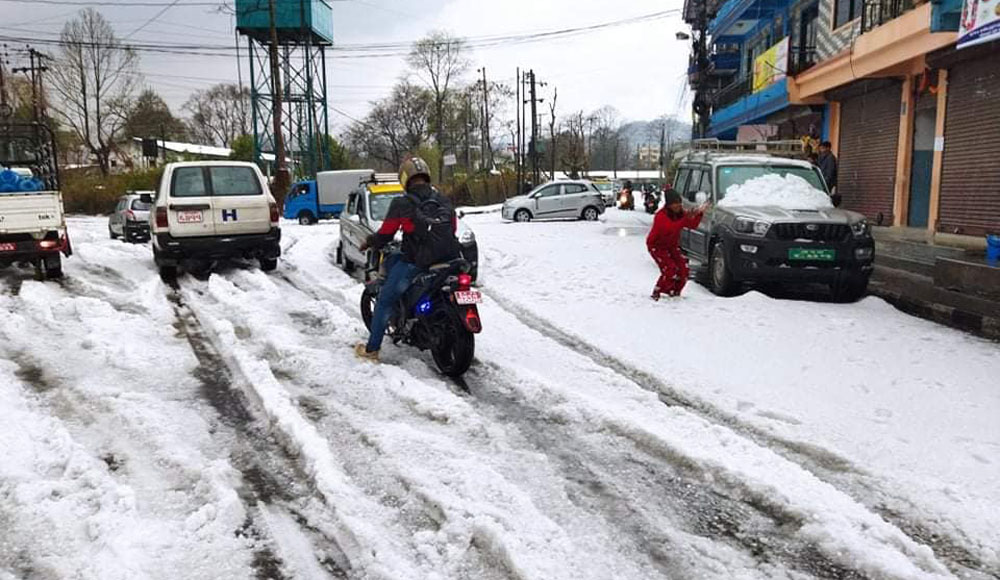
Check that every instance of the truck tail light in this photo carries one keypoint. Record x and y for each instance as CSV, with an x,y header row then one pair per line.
x,y
161,218
274,212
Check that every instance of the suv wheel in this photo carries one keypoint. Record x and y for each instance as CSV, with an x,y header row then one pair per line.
x,y
522,215
719,276
850,289
590,214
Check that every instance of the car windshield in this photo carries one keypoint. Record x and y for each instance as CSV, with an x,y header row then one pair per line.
x,y
730,175
605,186
139,205
380,204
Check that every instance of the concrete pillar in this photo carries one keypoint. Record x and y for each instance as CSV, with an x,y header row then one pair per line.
x,y
904,155
833,112
942,109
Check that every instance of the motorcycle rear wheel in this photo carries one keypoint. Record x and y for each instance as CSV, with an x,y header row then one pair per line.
x,y
457,347
368,299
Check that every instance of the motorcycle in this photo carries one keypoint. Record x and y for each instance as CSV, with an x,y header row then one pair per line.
x,y
651,201
438,312
625,200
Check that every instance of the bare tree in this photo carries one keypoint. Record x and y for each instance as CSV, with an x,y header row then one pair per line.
x,y
394,126
574,158
439,60
94,79
219,114
553,141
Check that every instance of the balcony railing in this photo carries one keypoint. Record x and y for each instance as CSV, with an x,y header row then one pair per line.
x,y
801,58
877,12
733,92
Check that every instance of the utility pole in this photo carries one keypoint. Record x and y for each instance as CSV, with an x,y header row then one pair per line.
x,y
517,141
468,137
533,150
617,141
486,119
663,144
35,70
552,133
281,177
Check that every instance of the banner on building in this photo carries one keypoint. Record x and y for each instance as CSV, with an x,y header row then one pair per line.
x,y
980,22
771,66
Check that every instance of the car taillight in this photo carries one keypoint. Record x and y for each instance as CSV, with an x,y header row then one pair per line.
x,y
274,213
49,244
472,321
161,218
130,216
464,281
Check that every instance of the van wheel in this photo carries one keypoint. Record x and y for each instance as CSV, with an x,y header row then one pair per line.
x,y
590,214
112,233
53,267
268,264
522,215
342,259
719,276
306,218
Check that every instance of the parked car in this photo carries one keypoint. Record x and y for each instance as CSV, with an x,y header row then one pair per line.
x,y
608,191
211,210
324,197
569,199
363,216
130,218
746,244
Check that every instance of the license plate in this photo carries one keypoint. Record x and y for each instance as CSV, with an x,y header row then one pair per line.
x,y
812,254
8,247
189,217
468,297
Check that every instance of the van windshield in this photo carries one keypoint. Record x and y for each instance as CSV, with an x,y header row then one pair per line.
x,y
139,205
380,204
730,175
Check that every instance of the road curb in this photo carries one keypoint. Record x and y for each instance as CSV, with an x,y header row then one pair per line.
x,y
961,319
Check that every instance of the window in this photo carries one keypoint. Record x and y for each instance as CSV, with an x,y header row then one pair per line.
x,y
380,204
680,182
228,181
188,182
139,205
571,188
706,182
692,185
846,11
352,204
549,191
740,174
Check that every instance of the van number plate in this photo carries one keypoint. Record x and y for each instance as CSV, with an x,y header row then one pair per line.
x,y
189,217
468,297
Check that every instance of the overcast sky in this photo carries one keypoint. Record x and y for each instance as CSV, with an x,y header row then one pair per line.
x,y
638,68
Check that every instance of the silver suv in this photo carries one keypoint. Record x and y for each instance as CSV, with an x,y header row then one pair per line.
x,y
570,199
130,218
762,242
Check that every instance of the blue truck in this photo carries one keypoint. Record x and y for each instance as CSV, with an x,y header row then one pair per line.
x,y
324,197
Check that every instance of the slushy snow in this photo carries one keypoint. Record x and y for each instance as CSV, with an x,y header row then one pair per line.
x,y
790,192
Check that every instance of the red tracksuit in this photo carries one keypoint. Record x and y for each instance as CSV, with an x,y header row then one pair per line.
x,y
663,243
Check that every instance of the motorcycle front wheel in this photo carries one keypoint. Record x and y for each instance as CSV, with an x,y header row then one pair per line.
x,y
455,349
368,299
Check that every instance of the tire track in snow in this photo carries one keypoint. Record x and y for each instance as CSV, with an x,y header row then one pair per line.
x,y
824,464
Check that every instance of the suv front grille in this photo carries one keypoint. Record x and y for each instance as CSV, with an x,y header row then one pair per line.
x,y
815,232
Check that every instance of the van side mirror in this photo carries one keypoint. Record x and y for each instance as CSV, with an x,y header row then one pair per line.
x,y
146,198
460,214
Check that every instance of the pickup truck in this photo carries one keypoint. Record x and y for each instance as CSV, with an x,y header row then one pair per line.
x,y
32,223
324,197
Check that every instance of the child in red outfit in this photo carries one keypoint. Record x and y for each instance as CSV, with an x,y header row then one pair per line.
x,y
663,243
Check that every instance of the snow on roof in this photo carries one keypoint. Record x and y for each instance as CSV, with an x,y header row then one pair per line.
x,y
790,192
762,158
203,150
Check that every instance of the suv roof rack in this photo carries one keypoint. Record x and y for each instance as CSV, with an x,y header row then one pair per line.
x,y
788,147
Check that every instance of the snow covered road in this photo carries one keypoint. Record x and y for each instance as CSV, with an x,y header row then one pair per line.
x,y
224,429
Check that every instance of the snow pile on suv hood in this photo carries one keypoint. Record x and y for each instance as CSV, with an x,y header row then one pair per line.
x,y
790,192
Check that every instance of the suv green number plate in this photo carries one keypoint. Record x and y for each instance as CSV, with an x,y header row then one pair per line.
x,y
812,254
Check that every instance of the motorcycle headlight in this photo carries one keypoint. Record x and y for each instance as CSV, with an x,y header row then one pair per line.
x,y
466,237
860,228
745,225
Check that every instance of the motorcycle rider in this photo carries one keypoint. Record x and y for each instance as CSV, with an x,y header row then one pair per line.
x,y
420,248
627,200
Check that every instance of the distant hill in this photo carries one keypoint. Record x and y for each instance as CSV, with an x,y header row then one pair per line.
x,y
648,132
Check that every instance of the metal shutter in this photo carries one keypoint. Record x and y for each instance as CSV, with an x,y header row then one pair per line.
x,y
970,172
869,140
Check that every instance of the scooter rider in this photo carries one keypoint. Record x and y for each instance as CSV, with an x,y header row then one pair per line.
x,y
420,248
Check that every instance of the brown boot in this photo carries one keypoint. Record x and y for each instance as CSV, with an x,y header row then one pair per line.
x,y
361,349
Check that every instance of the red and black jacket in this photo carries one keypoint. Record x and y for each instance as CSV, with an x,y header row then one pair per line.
x,y
402,215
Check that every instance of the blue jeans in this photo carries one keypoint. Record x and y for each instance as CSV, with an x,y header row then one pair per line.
x,y
401,275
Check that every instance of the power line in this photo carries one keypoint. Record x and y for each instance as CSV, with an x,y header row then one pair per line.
x,y
152,20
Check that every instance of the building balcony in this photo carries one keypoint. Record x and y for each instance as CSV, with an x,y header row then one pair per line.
x,y
737,105
875,13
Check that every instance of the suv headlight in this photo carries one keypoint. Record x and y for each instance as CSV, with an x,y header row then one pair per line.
x,y
466,237
860,228
745,225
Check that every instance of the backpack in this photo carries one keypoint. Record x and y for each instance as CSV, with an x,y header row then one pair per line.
x,y
434,231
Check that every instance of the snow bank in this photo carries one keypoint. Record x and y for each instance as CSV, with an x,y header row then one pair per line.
x,y
788,192
476,209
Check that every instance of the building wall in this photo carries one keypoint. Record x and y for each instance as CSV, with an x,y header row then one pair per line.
x,y
830,42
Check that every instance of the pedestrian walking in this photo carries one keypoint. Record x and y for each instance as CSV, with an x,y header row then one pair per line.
x,y
827,163
663,243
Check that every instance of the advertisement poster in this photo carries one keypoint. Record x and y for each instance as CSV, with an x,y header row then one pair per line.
x,y
771,66
980,22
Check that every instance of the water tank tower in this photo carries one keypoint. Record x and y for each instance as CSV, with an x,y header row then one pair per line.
x,y
302,31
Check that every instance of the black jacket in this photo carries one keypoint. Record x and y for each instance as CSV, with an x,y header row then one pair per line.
x,y
827,164
402,215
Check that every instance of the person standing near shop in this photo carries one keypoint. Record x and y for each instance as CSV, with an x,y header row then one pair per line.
x,y
827,163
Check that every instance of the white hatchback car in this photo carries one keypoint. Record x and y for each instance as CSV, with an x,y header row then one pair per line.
x,y
207,211
576,199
